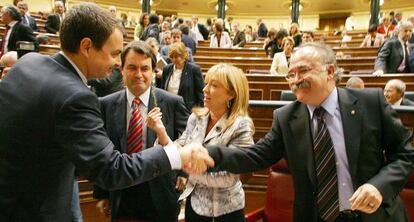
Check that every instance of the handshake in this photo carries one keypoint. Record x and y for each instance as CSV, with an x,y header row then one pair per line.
x,y
195,159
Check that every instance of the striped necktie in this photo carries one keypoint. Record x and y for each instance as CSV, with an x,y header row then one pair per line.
x,y
134,139
327,195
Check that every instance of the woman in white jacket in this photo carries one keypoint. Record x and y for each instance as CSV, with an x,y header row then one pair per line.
x,y
281,60
220,38
224,120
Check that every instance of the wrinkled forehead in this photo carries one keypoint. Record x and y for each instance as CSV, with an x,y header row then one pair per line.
x,y
305,56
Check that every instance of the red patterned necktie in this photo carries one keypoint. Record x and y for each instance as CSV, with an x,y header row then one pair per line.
x,y
3,42
328,199
134,139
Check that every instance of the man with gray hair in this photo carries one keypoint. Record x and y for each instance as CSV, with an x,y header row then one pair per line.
x,y
55,20
6,62
355,83
393,55
394,93
348,153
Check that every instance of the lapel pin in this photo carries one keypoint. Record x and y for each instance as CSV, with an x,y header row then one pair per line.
x,y
353,112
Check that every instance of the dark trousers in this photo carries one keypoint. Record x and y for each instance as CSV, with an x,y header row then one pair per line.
x,y
191,216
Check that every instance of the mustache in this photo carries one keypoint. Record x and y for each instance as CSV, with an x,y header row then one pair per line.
x,y
300,85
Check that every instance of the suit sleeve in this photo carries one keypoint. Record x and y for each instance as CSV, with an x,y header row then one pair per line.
x,y
261,155
27,34
399,154
243,39
80,131
383,54
198,86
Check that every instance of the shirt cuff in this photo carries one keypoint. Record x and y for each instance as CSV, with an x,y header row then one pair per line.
x,y
173,156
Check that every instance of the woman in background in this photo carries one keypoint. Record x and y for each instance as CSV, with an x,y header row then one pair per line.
x,y
143,23
281,60
182,77
220,38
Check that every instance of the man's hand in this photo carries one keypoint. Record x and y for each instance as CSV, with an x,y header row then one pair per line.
x,y
195,159
366,199
378,73
103,207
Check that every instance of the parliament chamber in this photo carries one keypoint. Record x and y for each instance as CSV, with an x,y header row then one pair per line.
x,y
269,192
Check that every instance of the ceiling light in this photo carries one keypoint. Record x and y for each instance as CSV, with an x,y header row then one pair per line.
x,y
151,2
300,7
381,2
225,7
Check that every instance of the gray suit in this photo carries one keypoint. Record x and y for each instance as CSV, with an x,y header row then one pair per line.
x,y
50,124
377,146
390,56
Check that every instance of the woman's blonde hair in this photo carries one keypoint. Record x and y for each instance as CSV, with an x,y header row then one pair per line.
x,y
288,39
178,49
294,25
234,80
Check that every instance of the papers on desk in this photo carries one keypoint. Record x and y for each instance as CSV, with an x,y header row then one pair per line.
x,y
161,64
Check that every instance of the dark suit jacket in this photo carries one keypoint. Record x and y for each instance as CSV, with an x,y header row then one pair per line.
x,y
407,102
411,61
32,23
191,84
371,129
52,24
108,85
203,30
239,39
175,115
52,125
189,43
262,30
389,56
21,32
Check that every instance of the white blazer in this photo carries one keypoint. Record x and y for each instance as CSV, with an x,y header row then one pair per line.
x,y
279,64
216,193
225,41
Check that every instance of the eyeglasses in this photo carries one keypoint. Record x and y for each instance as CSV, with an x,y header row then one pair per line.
x,y
301,72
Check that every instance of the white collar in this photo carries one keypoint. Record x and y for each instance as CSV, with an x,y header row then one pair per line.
x,y
82,76
330,104
144,97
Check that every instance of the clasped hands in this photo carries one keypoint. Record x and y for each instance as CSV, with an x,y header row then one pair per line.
x,y
195,159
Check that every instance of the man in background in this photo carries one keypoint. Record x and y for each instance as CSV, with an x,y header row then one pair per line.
x,y
55,20
394,93
26,18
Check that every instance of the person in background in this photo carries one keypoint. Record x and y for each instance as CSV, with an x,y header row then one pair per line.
x,y
307,37
124,19
153,29
281,60
355,83
186,39
7,61
278,47
224,120
386,28
393,55
373,39
239,38
54,21
182,77
162,61
269,40
26,18
176,36
250,36
143,23
221,38
201,30
261,28
294,32
349,24
394,93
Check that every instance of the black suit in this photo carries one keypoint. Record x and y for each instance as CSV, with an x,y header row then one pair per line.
x,y
203,30
191,83
390,56
371,129
262,30
30,22
53,23
52,125
411,61
106,86
20,32
239,39
159,192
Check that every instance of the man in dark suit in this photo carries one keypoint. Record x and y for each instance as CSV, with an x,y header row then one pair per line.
x,y
200,29
393,55
239,37
54,20
187,40
53,124
394,92
347,151
261,28
15,30
155,200
26,18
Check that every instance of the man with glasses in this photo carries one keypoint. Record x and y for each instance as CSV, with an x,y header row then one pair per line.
x,y
347,151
